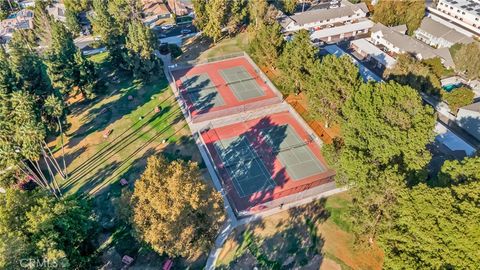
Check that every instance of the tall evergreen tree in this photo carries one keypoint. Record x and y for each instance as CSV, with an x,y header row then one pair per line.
x,y
109,31
267,44
237,15
257,10
141,45
8,79
392,13
296,62
289,6
124,11
201,17
29,68
60,58
42,22
216,13
332,82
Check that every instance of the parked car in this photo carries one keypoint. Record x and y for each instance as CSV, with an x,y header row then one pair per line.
x,y
186,31
166,27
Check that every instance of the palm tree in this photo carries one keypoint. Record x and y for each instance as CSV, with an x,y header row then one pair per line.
x,y
54,107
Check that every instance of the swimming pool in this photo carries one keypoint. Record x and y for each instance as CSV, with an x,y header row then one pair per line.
x,y
450,87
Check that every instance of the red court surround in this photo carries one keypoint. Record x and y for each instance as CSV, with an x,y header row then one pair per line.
x,y
213,70
284,184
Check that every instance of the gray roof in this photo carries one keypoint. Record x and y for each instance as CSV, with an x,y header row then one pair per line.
x,y
400,28
412,45
439,30
475,107
302,18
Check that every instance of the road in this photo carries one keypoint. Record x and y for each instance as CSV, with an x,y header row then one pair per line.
x,y
176,30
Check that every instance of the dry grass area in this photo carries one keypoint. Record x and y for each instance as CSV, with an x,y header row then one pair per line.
x,y
315,236
200,48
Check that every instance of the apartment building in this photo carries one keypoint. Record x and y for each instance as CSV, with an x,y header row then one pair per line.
x,y
396,42
439,35
317,19
465,13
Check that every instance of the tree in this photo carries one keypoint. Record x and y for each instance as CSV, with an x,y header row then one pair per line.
x,y
54,107
257,10
186,215
216,15
8,79
67,67
42,22
60,58
385,133
267,44
76,6
108,29
459,97
41,227
201,16
85,75
140,46
28,67
124,11
237,15
418,75
437,227
332,83
289,6
467,59
296,62
392,13
72,22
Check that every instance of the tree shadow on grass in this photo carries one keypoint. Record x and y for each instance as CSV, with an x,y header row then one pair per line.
x,y
292,243
172,116
99,118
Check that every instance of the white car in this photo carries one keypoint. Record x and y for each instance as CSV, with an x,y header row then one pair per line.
x,y
186,31
166,27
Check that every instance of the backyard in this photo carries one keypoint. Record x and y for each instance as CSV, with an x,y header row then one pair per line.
x,y
109,139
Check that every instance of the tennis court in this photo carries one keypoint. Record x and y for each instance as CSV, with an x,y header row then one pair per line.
x,y
265,159
201,92
293,152
244,166
243,85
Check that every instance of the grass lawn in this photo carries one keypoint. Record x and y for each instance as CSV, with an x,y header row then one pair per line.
x,y
312,237
200,48
95,164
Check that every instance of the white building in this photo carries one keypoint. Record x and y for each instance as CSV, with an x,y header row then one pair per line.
x,y
439,35
318,19
468,117
342,31
465,13
398,43
373,53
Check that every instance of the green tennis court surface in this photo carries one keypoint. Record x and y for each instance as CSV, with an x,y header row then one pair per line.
x,y
243,85
246,169
293,152
202,92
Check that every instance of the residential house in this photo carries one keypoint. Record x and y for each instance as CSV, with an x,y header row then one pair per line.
x,y
57,11
468,117
23,19
397,43
317,19
155,12
463,13
180,7
372,53
439,35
